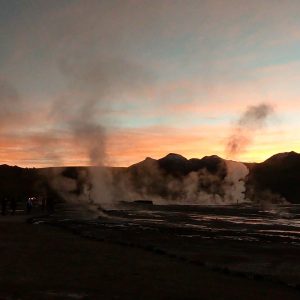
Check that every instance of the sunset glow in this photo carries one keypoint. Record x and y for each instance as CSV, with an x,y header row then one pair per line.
x,y
177,82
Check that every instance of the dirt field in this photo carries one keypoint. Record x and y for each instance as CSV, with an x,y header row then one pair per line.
x,y
42,262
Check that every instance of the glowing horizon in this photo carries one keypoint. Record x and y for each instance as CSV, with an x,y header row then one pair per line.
x,y
156,77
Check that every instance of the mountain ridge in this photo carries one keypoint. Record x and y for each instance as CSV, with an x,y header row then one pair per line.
x,y
279,174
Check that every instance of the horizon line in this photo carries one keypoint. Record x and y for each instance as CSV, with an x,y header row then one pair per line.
x,y
108,166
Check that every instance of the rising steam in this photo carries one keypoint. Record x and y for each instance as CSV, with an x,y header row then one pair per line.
x,y
251,121
93,85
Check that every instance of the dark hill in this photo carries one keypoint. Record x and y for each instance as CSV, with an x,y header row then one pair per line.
x,y
174,164
212,164
19,182
279,174
178,165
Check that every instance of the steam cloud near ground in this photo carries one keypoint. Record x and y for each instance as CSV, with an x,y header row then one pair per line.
x,y
198,187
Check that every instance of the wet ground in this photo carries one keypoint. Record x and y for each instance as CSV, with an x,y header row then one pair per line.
x,y
43,262
254,242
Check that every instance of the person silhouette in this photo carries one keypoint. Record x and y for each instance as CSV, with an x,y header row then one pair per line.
x,y
29,205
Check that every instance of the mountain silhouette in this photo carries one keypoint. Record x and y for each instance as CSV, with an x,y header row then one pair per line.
x,y
279,174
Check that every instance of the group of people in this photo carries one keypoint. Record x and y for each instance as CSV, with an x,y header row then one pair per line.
x,y
9,204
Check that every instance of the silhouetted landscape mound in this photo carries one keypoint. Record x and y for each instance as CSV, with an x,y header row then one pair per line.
x,y
279,174
178,165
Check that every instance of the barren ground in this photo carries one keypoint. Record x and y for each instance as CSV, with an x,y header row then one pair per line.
x,y
44,262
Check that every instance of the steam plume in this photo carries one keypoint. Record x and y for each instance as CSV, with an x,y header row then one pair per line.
x,y
234,182
93,84
252,120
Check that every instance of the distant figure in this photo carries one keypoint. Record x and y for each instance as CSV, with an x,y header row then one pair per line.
x,y
29,205
13,205
3,206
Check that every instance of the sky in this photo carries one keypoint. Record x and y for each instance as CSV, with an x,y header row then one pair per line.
x,y
156,76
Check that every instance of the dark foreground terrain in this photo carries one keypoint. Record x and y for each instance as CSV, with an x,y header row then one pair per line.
x,y
108,258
